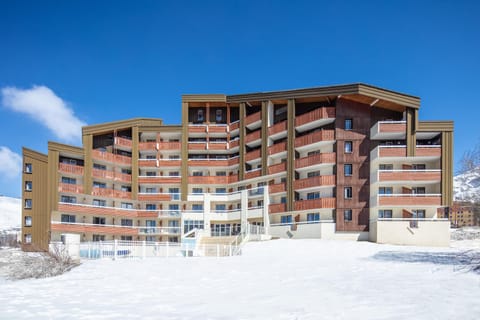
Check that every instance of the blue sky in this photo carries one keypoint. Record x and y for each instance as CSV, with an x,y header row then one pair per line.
x,y
95,61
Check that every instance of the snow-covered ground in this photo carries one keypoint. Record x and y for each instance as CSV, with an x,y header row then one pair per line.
x,y
466,186
279,279
10,213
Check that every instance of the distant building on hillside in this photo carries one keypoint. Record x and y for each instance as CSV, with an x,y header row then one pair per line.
x,y
461,215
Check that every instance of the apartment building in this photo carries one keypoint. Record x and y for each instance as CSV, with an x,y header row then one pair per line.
x,y
338,162
461,214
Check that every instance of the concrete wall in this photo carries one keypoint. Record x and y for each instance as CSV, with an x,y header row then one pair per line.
x,y
428,233
325,230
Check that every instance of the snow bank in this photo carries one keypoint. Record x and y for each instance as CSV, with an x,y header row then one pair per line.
x,y
281,279
10,213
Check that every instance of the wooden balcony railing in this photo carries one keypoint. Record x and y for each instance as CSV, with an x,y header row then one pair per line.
x,y
208,163
92,228
323,135
392,126
217,146
276,148
104,192
70,169
123,142
277,207
252,155
317,114
208,179
111,175
217,129
158,179
253,136
322,203
110,157
253,118
154,197
234,126
401,151
234,143
72,188
434,151
233,178
276,168
317,181
410,200
315,159
252,174
409,175
277,128
277,188
105,211
197,146
197,129
169,145
169,163
142,146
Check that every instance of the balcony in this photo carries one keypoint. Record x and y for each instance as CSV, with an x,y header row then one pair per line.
x,y
110,157
234,144
217,146
277,207
400,152
278,128
409,200
252,155
197,128
277,148
405,176
70,169
315,118
217,129
233,178
315,137
104,211
169,163
313,182
234,126
169,145
70,188
197,146
253,174
388,130
277,188
277,168
123,143
317,159
322,203
111,175
253,136
208,162
93,228
253,120
159,179
208,179
155,197
428,151
158,230
111,193
143,146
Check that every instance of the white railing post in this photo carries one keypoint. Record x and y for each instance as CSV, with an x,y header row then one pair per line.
x,y
115,242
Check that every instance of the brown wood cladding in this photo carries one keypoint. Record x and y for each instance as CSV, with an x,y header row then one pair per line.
x,y
105,211
78,228
360,160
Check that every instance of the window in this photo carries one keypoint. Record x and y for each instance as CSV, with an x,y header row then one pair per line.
x,y
67,218
419,214
172,239
200,116
68,199
28,238
98,220
68,180
28,185
221,173
385,190
197,207
173,156
348,146
126,188
347,169
347,192
220,190
150,190
99,166
419,166
126,222
312,153
311,217
28,168
126,171
175,193
150,206
197,190
418,190
126,238
348,124
28,221
286,219
220,207
151,157
347,215
174,174
151,174
98,237
173,223
385,214
197,173
99,203
283,200
219,115
313,195
385,167
313,174
173,208
192,224
97,184
127,205
28,203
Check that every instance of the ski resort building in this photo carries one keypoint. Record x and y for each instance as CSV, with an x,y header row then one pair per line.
x,y
338,162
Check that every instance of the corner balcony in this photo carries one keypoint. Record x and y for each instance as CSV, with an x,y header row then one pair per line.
x,y
253,138
277,148
277,208
278,130
277,168
399,153
111,175
70,188
159,179
314,139
388,130
70,169
314,182
254,120
408,176
407,200
122,143
315,118
322,203
252,174
93,228
234,144
316,160
111,158
208,179
234,126
253,155
111,193
155,196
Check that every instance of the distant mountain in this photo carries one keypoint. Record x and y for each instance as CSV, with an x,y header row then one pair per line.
x,y
466,186
10,213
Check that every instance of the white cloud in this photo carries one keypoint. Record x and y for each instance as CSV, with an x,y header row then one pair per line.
x,y
44,106
11,163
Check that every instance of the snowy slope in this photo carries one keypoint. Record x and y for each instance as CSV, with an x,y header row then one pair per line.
x,y
466,186
279,279
10,213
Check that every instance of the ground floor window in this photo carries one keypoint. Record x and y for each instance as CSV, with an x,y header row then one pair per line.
x,y
173,239
313,217
28,221
27,238
98,237
189,225
347,215
225,229
286,219
151,238
68,218
385,214
126,238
